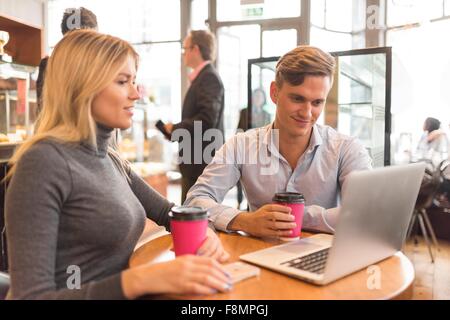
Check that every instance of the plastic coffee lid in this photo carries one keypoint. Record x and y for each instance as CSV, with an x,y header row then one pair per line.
x,y
288,197
184,213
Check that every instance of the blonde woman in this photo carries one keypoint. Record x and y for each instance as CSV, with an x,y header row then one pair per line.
x,y
73,207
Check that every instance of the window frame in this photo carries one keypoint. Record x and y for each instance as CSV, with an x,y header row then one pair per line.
x,y
415,24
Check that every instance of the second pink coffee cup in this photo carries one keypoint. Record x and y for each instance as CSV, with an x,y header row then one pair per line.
x,y
188,226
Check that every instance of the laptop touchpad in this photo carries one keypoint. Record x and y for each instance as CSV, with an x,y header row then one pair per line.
x,y
300,246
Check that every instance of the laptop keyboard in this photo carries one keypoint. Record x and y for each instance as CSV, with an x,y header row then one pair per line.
x,y
314,262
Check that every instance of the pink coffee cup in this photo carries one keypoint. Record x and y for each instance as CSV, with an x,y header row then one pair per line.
x,y
188,226
296,202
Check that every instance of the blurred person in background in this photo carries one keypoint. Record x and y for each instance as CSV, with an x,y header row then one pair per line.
x,y
73,19
203,104
433,144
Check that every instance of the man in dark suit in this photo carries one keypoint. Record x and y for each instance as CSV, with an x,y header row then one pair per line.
x,y
202,108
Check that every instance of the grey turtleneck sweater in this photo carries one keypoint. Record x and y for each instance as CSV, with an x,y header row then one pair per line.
x,y
69,209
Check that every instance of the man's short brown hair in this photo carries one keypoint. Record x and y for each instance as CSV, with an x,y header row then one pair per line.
x,y
78,18
303,61
206,42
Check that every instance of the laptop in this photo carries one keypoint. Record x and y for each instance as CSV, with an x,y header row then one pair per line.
x,y
376,209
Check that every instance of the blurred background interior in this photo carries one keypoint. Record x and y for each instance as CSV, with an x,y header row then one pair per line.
x,y
381,95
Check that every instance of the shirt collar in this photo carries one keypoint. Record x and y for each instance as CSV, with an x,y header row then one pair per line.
x,y
316,138
271,137
197,70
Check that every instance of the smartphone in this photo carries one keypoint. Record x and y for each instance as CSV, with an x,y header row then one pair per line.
x,y
240,271
160,126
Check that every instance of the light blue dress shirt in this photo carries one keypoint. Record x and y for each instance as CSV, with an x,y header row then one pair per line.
x,y
253,158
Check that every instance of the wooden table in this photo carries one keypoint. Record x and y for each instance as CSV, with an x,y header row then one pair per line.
x,y
397,275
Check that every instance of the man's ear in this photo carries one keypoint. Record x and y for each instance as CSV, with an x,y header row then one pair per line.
x,y
196,48
274,92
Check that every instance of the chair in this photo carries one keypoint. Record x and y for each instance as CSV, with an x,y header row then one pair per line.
x,y
442,199
4,285
430,184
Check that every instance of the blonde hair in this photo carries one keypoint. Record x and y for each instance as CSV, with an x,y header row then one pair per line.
x,y
303,61
82,64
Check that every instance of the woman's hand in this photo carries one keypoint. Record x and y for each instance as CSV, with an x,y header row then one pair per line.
x,y
149,230
212,247
187,274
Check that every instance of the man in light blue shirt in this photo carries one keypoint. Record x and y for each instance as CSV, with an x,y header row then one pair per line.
x,y
293,154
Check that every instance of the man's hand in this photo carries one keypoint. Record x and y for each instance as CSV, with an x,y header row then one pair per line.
x,y
168,127
435,135
271,220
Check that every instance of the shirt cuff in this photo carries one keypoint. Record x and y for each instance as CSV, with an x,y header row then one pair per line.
x,y
320,219
224,218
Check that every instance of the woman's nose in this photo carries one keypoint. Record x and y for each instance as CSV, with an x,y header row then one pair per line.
x,y
134,93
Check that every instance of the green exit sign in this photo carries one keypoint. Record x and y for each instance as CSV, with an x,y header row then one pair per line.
x,y
253,12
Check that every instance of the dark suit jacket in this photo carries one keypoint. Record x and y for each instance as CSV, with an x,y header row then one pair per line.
x,y
40,83
203,102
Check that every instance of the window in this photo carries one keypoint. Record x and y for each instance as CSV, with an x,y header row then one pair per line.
x,y
420,76
339,15
329,40
332,15
332,23
318,13
277,31
140,21
235,10
199,14
278,42
153,27
401,12
159,74
237,44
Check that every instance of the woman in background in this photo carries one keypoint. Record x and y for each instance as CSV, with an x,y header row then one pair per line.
x,y
433,145
74,209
